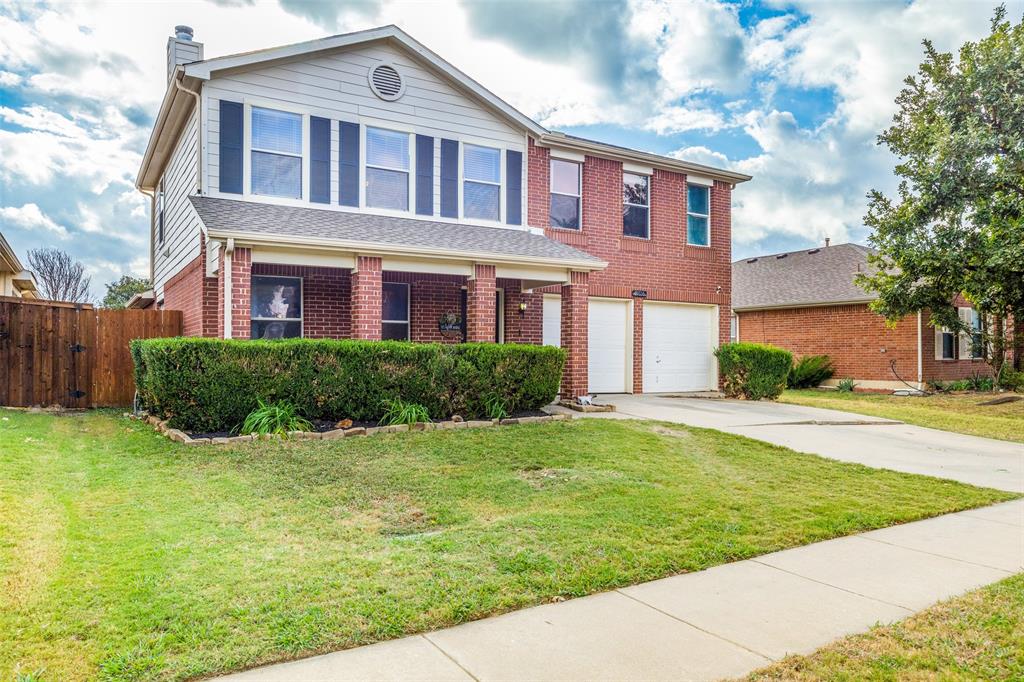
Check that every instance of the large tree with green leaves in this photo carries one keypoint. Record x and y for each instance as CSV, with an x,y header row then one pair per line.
x,y
120,292
957,224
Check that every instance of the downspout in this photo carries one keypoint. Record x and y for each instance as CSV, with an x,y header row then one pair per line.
x,y
199,130
229,248
920,355
152,252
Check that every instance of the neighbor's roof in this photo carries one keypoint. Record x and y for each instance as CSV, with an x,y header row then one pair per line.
x,y
801,278
367,233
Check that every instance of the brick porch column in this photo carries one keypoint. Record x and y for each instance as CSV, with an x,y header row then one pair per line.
x,y
366,298
240,293
480,304
574,335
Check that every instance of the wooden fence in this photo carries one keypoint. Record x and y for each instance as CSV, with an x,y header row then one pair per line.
x,y
72,355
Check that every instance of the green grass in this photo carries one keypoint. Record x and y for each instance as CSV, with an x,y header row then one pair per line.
x,y
979,636
961,413
124,556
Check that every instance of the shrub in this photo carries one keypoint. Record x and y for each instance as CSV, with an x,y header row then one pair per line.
x,y
1011,379
397,411
280,417
846,385
810,371
753,370
213,384
980,382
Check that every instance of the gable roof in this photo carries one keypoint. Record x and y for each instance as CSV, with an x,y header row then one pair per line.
x,y
177,102
369,233
808,277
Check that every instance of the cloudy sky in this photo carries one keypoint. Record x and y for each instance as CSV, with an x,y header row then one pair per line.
x,y
793,93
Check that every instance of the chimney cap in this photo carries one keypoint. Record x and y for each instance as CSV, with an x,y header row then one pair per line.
x,y
827,241
182,32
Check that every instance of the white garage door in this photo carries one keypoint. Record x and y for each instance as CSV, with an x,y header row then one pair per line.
x,y
608,328
678,345
552,320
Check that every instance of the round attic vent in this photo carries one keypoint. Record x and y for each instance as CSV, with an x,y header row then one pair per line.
x,y
386,82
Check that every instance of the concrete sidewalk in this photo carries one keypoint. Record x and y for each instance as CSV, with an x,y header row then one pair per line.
x,y
722,622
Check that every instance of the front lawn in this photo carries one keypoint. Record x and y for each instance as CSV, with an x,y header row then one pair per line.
x,y
979,636
961,413
124,556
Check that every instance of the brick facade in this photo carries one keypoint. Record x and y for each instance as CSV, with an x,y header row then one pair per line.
x,y
366,298
575,295
480,304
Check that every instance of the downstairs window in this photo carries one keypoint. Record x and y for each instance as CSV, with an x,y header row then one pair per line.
x,y
276,309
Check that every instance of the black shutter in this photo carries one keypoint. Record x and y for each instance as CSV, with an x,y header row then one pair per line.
x,y
514,188
319,160
450,178
424,175
231,123
348,164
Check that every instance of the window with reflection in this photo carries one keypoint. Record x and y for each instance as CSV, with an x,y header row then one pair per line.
x,y
698,203
276,307
276,148
565,194
481,182
636,205
387,169
394,311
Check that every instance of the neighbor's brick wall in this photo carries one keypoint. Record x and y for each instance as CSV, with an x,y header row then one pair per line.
x,y
665,266
946,370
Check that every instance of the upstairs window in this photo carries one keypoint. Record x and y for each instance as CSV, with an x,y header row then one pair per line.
x,y
698,203
276,307
276,145
481,182
387,169
636,205
565,194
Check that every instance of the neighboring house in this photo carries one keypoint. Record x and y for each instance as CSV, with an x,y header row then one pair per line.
x,y
807,302
359,186
15,280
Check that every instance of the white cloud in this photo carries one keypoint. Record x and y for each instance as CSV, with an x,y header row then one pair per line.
x,y
9,79
678,119
30,217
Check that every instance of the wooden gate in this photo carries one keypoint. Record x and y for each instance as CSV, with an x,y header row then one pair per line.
x,y
72,355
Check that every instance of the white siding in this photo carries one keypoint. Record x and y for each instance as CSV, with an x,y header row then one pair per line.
x,y
336,87
181,223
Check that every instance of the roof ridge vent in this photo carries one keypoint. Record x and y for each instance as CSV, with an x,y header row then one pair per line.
x,y
752,260
813,251
386,81
782,255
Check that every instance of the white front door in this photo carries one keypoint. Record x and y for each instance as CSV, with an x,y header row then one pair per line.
x,y
552,335
609,327
679,342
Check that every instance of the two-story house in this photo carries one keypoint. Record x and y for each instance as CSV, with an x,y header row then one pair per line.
x,y
360,186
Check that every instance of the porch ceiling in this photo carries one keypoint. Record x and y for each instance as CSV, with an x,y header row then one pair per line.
x,y
291,226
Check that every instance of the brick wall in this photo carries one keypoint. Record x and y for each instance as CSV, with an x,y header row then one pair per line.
x,y
480,304
574,335
326,298
196,296
241,293
366,298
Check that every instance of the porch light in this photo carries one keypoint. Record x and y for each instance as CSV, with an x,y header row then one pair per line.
x,y
522,308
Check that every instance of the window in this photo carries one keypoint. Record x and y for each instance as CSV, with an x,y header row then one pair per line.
x,y
276,144
945,344
387,169
276,310
734,328
565,194
972,345
481,186
160,213
394,312
697,214
636,205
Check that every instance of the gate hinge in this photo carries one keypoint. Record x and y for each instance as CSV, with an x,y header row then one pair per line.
x,y
75,393
77,348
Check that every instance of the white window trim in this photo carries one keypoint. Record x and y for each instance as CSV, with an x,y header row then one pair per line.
x,y
408,310
647,236
939,333
248,148
578,196
302,305
499,321
161,223
463,180
698,215
410,184
966,340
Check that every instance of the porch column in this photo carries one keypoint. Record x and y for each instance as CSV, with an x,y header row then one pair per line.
x,y
234,280
574,335
366,298
480,304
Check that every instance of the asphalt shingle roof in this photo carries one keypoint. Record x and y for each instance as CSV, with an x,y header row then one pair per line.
x,y
231,215
796,278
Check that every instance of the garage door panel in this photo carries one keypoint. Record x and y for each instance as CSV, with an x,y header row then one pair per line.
x,y
552,321
607,331
678,348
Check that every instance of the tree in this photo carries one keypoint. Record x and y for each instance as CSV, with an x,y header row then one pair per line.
x,y
119,292
61,278
957,225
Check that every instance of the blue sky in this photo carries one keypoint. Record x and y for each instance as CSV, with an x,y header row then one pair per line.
x,y
793,93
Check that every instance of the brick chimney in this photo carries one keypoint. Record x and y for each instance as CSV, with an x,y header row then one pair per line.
x,y
181,49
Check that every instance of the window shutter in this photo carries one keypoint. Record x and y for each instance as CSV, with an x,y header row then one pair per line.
x,y
514,188
319,160
450,178
965,341
938,343
424,175
348,164
231,114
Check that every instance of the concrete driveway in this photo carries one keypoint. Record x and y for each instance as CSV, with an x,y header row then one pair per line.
x,y
844,436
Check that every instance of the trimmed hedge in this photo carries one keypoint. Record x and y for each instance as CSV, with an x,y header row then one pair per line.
x,y
754,371
206,385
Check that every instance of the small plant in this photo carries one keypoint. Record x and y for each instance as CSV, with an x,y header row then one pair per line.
x,y
274,418
810,371
846,385
978,382
398,411
496,407
1011,379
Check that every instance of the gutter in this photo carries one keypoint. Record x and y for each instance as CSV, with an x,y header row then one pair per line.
x,y
382,249
815,304
199,129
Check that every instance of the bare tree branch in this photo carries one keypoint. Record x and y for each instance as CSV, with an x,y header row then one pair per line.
x,y
60,277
